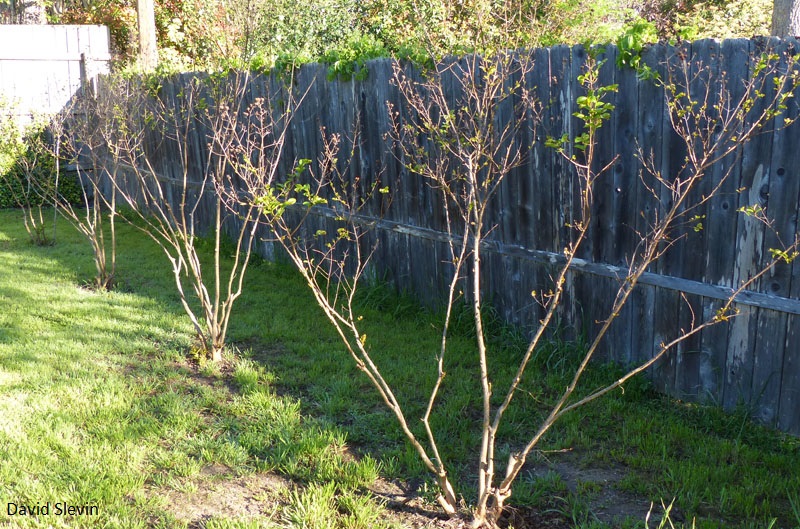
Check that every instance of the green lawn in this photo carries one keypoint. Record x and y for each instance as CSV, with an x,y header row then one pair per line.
x,y
103,408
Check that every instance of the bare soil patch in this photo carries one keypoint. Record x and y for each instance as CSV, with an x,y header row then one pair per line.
x,y
215,492
598,487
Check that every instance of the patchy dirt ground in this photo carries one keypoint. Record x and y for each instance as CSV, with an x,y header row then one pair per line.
x,y
216,492
263,496
407,509
598,487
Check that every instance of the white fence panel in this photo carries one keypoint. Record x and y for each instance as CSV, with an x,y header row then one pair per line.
x,y
41,67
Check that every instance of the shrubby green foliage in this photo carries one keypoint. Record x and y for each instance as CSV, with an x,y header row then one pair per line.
x,y
304,30
11,144
575,21
350,60
632,42
18,165
15,184
261,34
725,19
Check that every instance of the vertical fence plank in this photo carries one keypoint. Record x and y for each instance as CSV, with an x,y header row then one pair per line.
x,y
621,193
641,339
539,234
688,354
560,115
585,303
665,328
673,159
626,169
789,406
739,362
569,192
649,129
789,399
781,207
377,141
713,354
721,222
754,191
703,89
520,189
674,153
506,209
601,244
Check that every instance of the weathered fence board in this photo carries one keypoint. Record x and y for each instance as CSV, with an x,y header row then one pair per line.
x,y
751,359
720,227
789,403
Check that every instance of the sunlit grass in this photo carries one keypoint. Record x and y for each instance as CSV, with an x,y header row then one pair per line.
x,y
100,404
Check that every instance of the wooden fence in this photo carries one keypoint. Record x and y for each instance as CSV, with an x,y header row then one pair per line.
x,y
42,67
754,359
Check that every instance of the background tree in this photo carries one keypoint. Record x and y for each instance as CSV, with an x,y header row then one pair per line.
x,y
22,12
148,48
786,18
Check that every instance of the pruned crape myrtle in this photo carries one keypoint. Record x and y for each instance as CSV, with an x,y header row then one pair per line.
x,y
171,204
71,138
467,153
25,171
83,138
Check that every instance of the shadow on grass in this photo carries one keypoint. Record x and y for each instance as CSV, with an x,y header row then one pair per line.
x,y
106,377
116,413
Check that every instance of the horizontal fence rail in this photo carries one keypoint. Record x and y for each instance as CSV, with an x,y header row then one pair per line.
x,y
753,359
